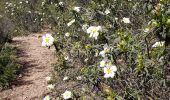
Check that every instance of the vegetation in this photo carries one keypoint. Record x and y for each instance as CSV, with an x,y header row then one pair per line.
x,y
8,66
128,31
106,49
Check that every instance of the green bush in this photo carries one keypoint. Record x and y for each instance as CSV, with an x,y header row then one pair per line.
x,y
9,65
141,71
126,29
25,16
8,60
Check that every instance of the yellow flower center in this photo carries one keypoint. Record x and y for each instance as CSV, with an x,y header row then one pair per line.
x,y
94,30
106,51
109,71
67,94
47,40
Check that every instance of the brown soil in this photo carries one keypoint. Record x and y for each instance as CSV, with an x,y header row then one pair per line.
x,y
36,61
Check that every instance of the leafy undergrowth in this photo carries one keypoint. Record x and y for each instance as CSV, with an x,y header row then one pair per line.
x,y
106,49
110,49
9,65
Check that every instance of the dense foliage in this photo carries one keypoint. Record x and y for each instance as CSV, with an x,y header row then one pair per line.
x,y
128,31
8,65
109,49
8,61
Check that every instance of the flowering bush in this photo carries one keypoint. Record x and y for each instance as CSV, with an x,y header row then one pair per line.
x,y
9,65
111,45
106,49
25,15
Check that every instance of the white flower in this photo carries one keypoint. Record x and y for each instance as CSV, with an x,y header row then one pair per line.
x,y
47,40
102,5
26,1
107,11
146,30
66,57
161,59
116,18
42,4
79,78
61,3
126,20
56,5
158,44
10,4
77,9
85,60
51,86
67,95
105,51
67,34
47,97
110,71
96,54
65,78
20,2
84,27
71,22
48,78
94,31
105,62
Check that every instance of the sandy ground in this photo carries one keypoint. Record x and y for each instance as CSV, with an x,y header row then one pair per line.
x,y
36,61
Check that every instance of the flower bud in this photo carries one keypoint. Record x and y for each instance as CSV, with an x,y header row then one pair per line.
x,y
88,46
168,22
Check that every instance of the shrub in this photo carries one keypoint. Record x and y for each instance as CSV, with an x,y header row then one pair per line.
x,y
126,30
119,47
24,15
9,65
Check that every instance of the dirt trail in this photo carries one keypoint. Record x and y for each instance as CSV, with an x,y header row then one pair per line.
x,y
36,62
